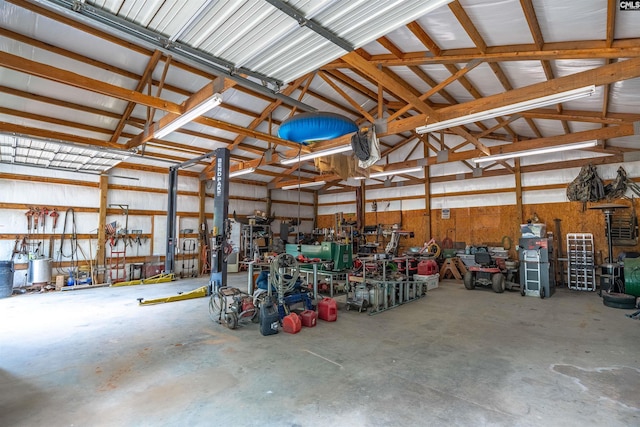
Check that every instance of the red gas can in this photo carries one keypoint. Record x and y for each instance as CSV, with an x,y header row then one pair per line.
x,y
291,323
309,318
328,309
427,267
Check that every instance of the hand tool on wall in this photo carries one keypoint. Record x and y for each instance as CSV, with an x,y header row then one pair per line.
x,y
29,215
15,248
54,214
36,215
44,212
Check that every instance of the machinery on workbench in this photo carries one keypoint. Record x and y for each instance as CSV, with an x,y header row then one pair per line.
x,y
333,255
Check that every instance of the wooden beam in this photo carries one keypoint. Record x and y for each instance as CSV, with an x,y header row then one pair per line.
x,y
611,21
427,196
102,221
47,72
346,96
468,25
532,21
358,62
146,76
424,38
628,48
437,88
605,74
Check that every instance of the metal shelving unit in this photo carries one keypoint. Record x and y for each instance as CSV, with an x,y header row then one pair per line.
x,y
255,238
581,272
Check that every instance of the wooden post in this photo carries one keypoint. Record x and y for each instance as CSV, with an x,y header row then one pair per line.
x,y
102,238
427,196
519,212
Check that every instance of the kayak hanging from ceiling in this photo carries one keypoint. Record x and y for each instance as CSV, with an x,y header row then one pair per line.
x,y
310,127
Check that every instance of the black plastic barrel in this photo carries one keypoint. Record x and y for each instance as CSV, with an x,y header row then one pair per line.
x,y
6,278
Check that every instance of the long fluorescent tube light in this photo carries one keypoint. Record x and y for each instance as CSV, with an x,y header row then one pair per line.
x,y
303,184
315,154
536,151
183,119
241,172
391,172
556,98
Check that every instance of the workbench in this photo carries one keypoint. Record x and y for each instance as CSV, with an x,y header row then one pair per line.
x,y
312,268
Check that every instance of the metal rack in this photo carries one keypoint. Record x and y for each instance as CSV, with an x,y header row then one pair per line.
x,y
381,294
581,273
255,238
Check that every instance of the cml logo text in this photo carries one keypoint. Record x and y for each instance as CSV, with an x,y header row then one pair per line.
x,y
629,5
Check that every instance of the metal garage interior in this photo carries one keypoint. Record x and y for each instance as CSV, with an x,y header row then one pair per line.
x,y
111,171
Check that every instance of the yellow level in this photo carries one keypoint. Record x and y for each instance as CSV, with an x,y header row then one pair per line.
x,y
196,293
158,278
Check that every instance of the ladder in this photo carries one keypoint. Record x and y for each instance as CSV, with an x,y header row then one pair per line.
x,y
117,264
532,274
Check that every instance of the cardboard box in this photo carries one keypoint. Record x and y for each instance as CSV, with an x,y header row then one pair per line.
x,y
260,242
431,280
61,280
533,230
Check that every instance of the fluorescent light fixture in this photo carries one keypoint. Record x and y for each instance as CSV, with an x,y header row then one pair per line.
x,y
183,119
556,98
315,154
391,172
536,151
303,184
241,172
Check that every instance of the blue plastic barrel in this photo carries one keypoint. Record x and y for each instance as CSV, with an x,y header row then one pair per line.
x,y
6,278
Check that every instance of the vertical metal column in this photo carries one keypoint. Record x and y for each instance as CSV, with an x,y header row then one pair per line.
x,y
220,219
169,260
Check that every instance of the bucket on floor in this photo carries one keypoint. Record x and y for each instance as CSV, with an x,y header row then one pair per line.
x,y
328,309
308,318
6,278
39,270
291,323
269,318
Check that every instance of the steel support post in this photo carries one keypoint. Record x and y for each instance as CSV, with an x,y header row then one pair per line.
x,y
169,260
220,221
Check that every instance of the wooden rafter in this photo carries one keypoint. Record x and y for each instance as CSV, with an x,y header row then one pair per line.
x,y
597,76
588,49
468,26
346,96
144,80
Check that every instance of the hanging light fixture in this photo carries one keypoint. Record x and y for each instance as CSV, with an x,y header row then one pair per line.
x,y
391,172
303,185
241,172
315,154
188,116
555,98
545,150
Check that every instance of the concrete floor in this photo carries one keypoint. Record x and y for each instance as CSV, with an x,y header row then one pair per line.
x,y
457,357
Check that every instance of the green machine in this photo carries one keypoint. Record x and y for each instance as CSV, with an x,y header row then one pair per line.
x,y
340,254
632,276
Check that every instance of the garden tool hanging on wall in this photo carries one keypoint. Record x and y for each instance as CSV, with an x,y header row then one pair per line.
x,y
29,215
54,214
36,215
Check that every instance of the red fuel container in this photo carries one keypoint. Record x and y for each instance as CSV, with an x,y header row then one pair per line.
x,y
308,318
427,267
291,323
328,309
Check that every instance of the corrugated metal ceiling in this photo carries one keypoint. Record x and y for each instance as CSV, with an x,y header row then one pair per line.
x,y
258,44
